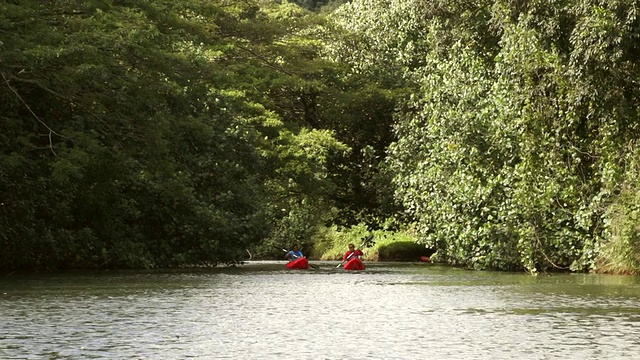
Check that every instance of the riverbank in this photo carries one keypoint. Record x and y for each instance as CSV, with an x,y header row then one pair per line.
x,y
386,245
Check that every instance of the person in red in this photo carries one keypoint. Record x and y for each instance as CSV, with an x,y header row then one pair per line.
x,y
352,253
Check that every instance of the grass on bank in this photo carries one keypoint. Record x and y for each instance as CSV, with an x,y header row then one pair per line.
x,y
331,244
621,255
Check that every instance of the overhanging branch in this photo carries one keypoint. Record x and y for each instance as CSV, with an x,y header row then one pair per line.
x,y
51,131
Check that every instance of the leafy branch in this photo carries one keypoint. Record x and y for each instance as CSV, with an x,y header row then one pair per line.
x,y
51,131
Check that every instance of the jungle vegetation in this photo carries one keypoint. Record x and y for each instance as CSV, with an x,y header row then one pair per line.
x,y
157,133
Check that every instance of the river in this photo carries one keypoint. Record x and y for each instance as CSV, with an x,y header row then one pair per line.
x,y
262,311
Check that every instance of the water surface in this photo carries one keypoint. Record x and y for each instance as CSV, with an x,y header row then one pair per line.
x,y
263,311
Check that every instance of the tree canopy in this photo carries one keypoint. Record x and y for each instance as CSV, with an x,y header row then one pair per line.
x,y
144,134
176,133
521,131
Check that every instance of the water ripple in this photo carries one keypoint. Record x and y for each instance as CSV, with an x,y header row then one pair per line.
x,y
264,312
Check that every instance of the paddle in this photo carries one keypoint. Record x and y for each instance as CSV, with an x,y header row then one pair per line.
x,y
297,257
367,240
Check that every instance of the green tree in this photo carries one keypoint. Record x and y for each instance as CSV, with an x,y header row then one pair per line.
x,y
139,135
512,142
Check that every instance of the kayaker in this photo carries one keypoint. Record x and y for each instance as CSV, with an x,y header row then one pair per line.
x,y
294,253
352,253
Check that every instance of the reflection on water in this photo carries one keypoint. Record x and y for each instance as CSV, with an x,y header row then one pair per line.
x,y
260,310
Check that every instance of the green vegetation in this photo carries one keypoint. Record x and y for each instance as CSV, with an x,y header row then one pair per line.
x,y
621,253
175,133
521,127
387,245
155,133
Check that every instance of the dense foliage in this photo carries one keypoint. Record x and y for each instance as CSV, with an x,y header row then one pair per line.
x,y
171,133
143,134
522,128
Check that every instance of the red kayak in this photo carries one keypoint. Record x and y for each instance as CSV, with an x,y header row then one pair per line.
x,y
354,264
299,264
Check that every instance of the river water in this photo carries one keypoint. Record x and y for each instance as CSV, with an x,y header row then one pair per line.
x,y
262,311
